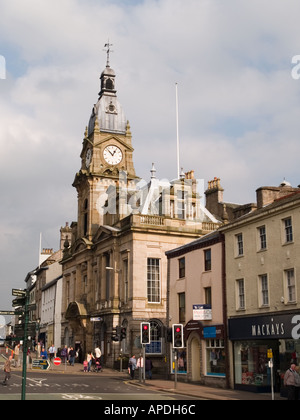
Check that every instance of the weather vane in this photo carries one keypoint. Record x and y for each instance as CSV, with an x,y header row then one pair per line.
x,y
108,51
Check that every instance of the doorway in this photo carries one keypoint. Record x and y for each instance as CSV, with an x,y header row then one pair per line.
x,y
195,362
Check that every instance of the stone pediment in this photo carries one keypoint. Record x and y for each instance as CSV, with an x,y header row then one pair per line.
x,y
76,310
117,139
81,245
104,233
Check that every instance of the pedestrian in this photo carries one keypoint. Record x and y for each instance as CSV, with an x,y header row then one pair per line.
x,y
44,354
291,380
52,352
72,354
17,355
7,371
98,353
132,366
64,354
148,367
89,359
85,366
140,363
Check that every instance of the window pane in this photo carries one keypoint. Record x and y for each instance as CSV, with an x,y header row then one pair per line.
x,y
153,280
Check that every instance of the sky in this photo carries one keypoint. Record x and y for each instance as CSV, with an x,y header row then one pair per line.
x,y
238,89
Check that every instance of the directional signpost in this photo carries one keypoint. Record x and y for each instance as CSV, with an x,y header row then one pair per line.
x,y
40,364
22,304
22,300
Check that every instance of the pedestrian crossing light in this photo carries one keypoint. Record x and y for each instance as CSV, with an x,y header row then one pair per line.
x,y
178,342
145,333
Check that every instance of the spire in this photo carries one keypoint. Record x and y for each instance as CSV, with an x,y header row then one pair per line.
x,y
153,172
108,51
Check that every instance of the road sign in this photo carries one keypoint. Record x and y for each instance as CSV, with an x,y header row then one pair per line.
x,y
19,302
57,361
19,293
40,364
96,319
7,313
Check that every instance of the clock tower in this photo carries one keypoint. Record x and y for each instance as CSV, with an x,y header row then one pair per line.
x,y
106,156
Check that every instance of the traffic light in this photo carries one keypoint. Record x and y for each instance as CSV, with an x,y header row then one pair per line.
x,y
116,335
123,333
169,336
177,330
145,333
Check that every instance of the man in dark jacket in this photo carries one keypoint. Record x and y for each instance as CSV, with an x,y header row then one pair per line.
x,y
148,367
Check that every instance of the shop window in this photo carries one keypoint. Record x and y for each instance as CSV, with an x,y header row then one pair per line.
x,y
215,358
181,362
251,363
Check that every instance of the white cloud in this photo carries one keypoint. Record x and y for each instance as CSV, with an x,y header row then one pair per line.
x,y
239,106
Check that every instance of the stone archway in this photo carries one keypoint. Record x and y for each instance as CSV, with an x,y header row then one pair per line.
x,y
77,317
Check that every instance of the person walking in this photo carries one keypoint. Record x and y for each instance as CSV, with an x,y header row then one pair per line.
x,y
64,354
7,371
291,381
148,367
17,355
52,352
132,366
72,354
89,359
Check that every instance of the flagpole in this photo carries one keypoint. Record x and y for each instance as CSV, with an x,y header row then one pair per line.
x,y
177,130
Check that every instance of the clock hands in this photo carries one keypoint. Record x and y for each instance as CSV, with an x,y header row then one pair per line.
x,y
113,152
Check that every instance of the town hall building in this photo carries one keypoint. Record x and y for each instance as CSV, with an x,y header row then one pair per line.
x,y
114,262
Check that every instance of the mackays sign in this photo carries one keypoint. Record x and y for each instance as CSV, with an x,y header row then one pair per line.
x,y
265,327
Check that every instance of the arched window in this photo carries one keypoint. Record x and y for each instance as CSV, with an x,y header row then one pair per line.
x,y
156,331
109,84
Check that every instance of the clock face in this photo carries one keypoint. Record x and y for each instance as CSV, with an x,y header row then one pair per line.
x,y
112,155
88,158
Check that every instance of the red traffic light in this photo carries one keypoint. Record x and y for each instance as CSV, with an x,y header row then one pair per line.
x,y
178,329
145,333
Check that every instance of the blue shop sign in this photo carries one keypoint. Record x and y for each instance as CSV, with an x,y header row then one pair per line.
x,y
210,332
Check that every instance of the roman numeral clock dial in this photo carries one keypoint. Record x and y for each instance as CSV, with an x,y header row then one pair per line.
x,y
112,155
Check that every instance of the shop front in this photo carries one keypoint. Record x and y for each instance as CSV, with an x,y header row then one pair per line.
x,y
204,358
253,338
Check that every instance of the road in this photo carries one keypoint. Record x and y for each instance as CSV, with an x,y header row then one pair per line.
x,y
53,386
